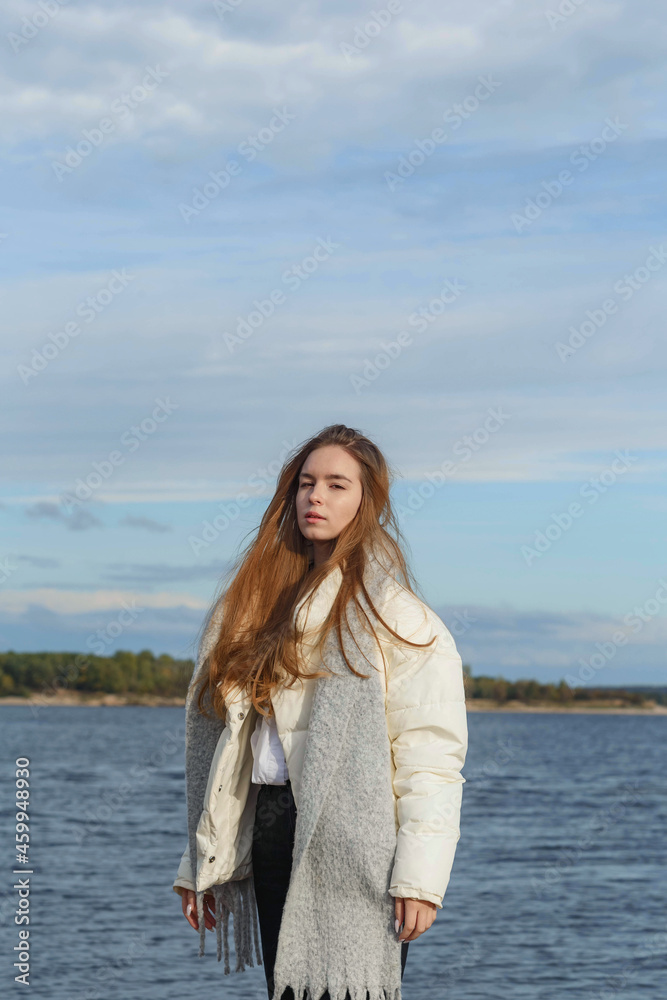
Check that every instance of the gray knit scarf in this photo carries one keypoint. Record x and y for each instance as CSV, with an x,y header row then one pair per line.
x,y
337,929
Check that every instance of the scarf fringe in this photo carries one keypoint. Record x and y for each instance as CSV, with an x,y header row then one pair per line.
x,y
308,991
236,898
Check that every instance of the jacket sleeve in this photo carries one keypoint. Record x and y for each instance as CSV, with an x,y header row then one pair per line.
x,y
183,878
427,724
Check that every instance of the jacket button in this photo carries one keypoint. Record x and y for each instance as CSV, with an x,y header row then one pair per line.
x,y
212,858
241,715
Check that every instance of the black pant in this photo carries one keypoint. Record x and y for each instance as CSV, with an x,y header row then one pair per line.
x,y
272,845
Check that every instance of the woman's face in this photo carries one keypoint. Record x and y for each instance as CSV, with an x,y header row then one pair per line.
x,y
330,485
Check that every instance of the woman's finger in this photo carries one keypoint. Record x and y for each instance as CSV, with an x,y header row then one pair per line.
x,y
190,908
209,911
399,905
408,926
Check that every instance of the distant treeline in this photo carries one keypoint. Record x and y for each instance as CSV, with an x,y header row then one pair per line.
x,y
500,690
23,674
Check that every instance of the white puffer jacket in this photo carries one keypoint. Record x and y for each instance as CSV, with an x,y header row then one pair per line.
x,y
427,727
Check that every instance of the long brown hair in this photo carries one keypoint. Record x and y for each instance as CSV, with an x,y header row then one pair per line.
x,y
258,645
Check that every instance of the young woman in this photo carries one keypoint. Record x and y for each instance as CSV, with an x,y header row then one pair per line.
x,y
325,735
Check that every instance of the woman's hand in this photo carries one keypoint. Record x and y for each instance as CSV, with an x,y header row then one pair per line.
x,y
416,915
189,898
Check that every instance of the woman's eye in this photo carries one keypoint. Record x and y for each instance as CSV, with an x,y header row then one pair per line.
x,y
338,486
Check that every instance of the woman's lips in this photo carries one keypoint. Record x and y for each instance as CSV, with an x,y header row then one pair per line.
x,y
314,517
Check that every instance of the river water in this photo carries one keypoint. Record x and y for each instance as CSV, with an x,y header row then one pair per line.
x,y
559,886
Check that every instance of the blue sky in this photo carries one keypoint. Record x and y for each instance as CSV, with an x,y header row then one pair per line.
x,y
228,225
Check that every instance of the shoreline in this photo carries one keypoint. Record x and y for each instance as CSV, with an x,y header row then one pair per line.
x,y
590,708
69,699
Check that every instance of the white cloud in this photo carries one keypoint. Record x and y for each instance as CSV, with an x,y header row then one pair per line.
x,y
77,602
224,78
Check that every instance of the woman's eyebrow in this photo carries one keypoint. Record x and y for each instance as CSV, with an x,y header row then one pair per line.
x,y
333,475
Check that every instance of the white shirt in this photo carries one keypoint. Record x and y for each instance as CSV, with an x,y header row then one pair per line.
x,y
268,766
